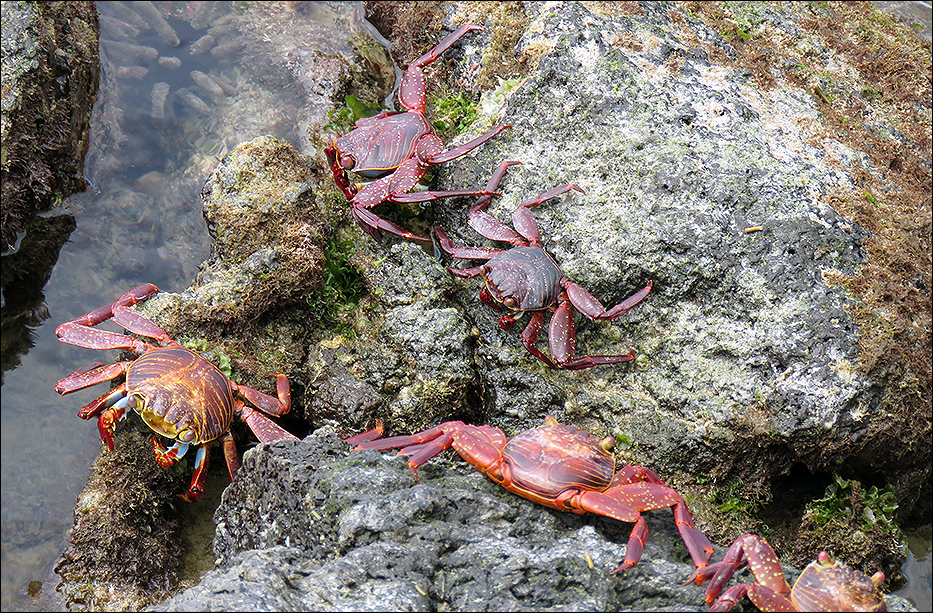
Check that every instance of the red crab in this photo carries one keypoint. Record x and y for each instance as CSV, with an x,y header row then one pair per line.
x,y
824,585
396,149
179,394
525,278
559,466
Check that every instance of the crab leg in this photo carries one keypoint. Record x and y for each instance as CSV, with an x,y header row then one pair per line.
x,y
411,93
264,428
523,219
365,437
265,402
450,154
486,224
374,225
231,455
104,313
81,379
530,334
201,459
464,253
587,304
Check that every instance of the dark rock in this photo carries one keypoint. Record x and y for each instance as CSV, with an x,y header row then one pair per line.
x,y
50,79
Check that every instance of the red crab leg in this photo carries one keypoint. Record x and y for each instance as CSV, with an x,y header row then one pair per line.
x,y
265,429
340,176
231,455
114,405
755,551
138,324
700,548
81,379
374,225
104,313
562,342
524,220
365,437
78,331
106,400
166,457
201,460
481,446
587,304
265,402
411,93
464,253
486,224
450,154
530,334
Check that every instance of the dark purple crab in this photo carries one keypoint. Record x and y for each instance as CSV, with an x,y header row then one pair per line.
x,y
525,278
396,148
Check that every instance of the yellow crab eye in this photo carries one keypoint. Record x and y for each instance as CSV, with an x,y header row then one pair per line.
x,y
186,436
137,402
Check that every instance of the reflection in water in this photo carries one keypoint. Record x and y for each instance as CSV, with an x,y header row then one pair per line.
x,y
182,83
25,273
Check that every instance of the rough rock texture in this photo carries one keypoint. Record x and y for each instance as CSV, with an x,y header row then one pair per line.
x,y
125,519
50,78
312,529
323,531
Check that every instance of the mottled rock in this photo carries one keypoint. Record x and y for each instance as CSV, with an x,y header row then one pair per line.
x,y
50,78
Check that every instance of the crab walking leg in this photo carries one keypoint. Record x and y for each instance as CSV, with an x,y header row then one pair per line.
x,y
115,404
266,403
562,342
201,460
464,253
587,304
80,379
230,455
266,430
374,225
104,313
699,546
365,437
411,92
529,335
523,219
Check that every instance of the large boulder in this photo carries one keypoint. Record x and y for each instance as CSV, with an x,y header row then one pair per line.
x,y
51,72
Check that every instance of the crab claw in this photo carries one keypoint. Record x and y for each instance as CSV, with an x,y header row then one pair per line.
x,y
167,457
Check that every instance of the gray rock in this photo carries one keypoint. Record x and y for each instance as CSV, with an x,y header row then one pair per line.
x,y
322,530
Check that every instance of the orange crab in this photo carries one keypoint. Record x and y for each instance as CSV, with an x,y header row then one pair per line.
x,y
559,466
824,585
179,394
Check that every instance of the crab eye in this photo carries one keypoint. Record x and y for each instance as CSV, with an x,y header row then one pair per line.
x,y
186,436
510,302
347,162
137,402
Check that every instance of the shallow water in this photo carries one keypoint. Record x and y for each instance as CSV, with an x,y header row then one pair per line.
x,y
141,222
